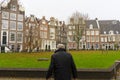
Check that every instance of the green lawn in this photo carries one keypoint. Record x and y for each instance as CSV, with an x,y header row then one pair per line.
x,y
83,59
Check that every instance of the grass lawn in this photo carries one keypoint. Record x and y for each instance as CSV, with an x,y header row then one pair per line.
x,y
83,59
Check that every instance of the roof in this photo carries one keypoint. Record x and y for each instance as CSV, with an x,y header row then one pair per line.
x,y
109,25
91,22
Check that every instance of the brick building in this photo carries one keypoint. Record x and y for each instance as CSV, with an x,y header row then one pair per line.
x,y
31,34
11,26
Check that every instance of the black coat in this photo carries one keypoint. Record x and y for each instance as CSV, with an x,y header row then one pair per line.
x,y
62,66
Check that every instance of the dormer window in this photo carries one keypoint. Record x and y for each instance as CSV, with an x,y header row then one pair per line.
x,y
117,32
114,22
91,26
104,32
111,32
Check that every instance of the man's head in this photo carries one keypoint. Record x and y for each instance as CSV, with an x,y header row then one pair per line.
x,y
61,46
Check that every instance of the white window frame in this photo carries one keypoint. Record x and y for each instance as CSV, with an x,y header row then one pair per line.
x,y
96,32
20,17
4,24
12,16
12,25
20,24
20,40
92,32
87,32
11,36
13,7
5,15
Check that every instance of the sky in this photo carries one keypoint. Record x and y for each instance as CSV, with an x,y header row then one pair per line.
x,y
63,9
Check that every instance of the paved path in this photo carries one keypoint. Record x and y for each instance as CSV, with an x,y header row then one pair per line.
x,y
23,79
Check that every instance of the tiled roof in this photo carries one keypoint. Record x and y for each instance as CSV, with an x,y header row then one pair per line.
x,y
109,25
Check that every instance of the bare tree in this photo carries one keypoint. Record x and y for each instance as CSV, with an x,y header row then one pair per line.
x,y
78,20
76,15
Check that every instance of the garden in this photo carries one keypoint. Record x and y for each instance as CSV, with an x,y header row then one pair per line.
x,y
83,59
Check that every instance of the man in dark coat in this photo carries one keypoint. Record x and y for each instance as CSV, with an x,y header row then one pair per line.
x,y
62,65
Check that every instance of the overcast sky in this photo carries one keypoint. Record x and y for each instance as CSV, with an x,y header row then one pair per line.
x,y
62,9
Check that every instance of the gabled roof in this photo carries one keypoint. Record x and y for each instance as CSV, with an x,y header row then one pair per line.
x,y
43,19
28,19
109,25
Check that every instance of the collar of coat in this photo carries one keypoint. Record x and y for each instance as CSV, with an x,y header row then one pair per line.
x,y
60,49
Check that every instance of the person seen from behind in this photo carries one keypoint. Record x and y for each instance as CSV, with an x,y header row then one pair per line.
x,y
62,65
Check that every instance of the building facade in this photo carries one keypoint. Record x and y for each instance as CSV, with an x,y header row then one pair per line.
x,y
76,34
110,34
11,26
52,33
61,33
98,34
19,33
31,34
92,34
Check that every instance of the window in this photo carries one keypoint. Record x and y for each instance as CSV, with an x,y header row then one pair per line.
x,y
117,32
12,36
113,38
114,22
105,39
88,39
4,24
88,32
102,39
13,7
12,16
104,32
88,45
32,19
4,38
5,15
19,37
52,30
73,27
91,26
111,32
20,26
97,32
92,32
92,39
97,39
20,17
12,25
110,38
52,33
45,34
70,33
71,39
